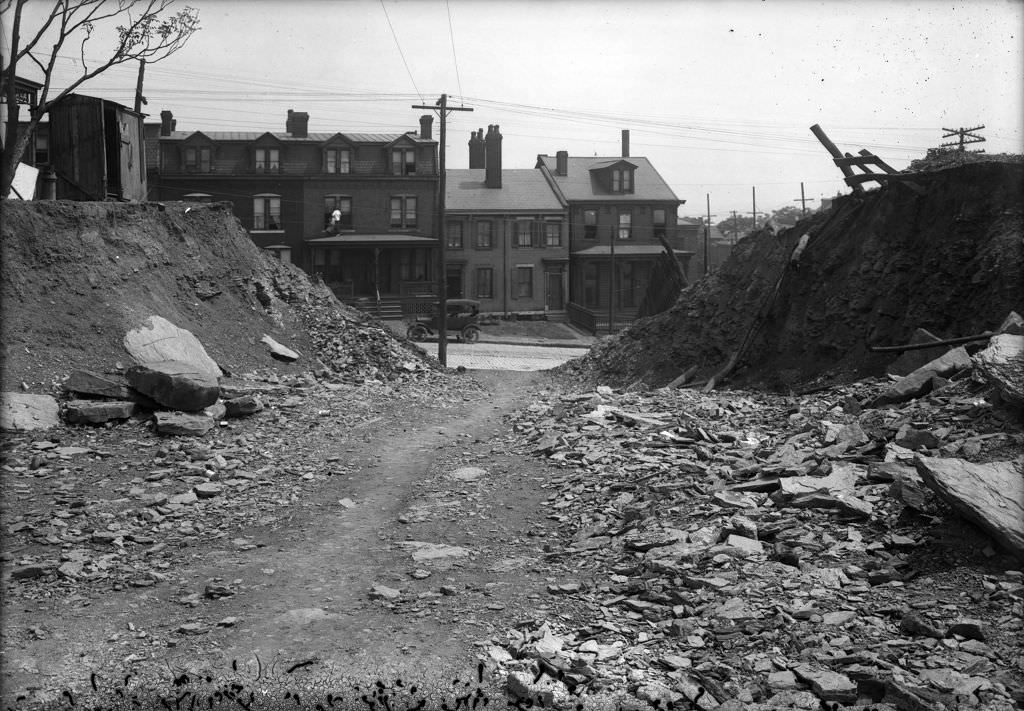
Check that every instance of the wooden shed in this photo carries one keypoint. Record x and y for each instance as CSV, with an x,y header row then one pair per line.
x,y
97,150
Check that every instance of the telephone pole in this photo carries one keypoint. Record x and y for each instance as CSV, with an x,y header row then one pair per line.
x,y
963,134
735,229
754,213
442,109
707,237
802,200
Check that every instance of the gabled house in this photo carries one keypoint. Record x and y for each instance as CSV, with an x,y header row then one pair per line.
x,y
620,211
507,238
356,209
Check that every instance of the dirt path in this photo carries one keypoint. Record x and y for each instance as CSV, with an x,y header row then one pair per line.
x,y
300,587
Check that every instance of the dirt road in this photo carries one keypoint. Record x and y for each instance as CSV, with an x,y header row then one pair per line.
x,y
430,503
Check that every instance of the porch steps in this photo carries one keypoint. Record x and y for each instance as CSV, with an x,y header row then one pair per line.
x,y
388,309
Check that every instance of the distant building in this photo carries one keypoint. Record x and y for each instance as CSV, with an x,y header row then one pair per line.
x,y
619,210
507,235
720,246
286,185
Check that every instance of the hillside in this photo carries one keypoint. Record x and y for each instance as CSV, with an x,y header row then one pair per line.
x,y
76,276
875,268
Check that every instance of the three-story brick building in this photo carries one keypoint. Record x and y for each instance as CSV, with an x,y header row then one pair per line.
x,y
357,209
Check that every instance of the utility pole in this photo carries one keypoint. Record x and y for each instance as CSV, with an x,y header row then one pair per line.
x,y
735,229
754,213
802,200
963,134
442,109
707,237
139,98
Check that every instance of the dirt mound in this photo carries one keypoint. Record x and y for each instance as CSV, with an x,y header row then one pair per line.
x,y
76,276
875,268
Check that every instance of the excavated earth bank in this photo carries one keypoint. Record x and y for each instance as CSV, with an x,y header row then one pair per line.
x,y
76,276
875,268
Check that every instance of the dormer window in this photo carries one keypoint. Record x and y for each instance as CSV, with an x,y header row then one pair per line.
x,y
622,180
403,161
338,160
197,159
268,160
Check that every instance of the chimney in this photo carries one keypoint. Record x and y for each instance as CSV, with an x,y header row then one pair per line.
x,y
493,150
477,156
562,163
297,124
426,124
625,143
167,123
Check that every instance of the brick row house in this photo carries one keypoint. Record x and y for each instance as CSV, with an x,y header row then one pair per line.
x,y
545,240
356,209
506,234
620,208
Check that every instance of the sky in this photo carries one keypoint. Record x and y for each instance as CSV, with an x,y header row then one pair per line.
x,y
718,95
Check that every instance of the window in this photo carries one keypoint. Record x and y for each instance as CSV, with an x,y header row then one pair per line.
x,y
590,224
659,222
403,211
42,156
622,181
197,159
268,160
266,212
338,160
453,235
625,225
483,234
403,161
484,283
522,282
552,234
343,205
524,233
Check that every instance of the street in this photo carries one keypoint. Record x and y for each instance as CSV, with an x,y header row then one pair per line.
x,y
499,356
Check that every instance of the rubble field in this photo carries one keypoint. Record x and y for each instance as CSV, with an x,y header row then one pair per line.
x,y
327,514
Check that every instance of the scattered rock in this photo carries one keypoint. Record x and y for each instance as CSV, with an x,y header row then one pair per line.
x,y
279,352
97,412
85,382
991,495
158,340
176,385
242,406
1002,365
24,411
182,424
383,592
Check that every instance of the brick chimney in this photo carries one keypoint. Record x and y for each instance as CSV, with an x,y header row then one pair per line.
x,y
477,156
167,123
493,151
297,124
426,125
625,143
562,163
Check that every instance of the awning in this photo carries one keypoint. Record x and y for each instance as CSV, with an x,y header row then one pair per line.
x,y
372,240
627,250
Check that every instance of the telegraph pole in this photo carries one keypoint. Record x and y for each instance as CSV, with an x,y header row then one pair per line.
x,y
442,109
735,229
963,134
139,98
802,200
753,192
707,237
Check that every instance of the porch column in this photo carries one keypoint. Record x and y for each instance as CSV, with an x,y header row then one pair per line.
x,y
376,277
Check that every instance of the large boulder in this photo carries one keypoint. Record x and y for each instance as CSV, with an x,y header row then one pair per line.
x,y
158,340
86,382
921,381
175,385
25,411
991,495
1002,365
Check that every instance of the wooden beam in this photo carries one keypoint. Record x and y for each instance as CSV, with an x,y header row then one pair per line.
x,y
836,155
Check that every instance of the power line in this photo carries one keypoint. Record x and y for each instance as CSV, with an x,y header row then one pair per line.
x,y
451,34
400,52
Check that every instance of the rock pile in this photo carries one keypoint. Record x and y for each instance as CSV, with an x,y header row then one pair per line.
x,y
748,551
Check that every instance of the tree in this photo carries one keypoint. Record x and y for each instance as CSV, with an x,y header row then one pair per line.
x,y
146,35
786,216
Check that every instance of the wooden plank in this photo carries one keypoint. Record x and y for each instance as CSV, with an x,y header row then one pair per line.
x,y
836,155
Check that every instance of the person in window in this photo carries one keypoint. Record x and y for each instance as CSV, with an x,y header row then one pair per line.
x,y
333,228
